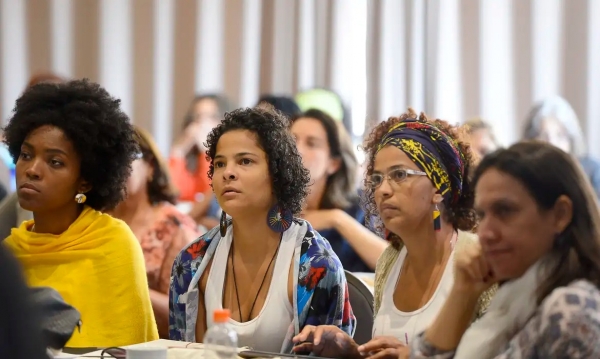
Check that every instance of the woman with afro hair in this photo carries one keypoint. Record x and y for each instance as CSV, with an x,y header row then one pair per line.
x,y
73,148
273,271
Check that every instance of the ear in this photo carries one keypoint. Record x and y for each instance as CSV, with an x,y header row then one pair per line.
x,y
84,187
334,165
563,213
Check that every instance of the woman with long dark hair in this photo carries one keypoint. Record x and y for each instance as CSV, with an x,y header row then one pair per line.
x,y
539,235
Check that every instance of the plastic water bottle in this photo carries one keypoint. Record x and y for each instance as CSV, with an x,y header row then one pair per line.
x,y
220,340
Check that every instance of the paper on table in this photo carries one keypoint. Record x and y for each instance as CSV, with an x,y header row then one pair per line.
x,y
176,349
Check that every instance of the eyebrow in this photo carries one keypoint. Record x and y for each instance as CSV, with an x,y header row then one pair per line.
x,y
395,167
47,150
238,155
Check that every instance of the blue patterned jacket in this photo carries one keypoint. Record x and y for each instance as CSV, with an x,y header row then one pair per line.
x,y
320,298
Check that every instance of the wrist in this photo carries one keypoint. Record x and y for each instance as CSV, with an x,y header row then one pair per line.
x,y
337,218
467,295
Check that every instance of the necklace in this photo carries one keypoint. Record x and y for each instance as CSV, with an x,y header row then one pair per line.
x,y
261,283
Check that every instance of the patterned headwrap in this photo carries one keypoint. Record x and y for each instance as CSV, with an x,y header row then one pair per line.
x,y
433,151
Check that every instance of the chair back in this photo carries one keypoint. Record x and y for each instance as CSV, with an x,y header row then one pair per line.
x,y
361,300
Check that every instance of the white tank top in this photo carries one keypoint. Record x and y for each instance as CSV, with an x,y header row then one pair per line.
x,y
267,331
406,325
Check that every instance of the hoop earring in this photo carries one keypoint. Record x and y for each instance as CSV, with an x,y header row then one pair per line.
x,y
223,224
80,198
279,219
437,219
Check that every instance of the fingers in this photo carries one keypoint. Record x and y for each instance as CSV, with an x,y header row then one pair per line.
x,y
379,343
306,335
388,353
303,347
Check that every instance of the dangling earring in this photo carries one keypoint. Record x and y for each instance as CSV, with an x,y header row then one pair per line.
x,y
80,198
278,219
437,219
223,224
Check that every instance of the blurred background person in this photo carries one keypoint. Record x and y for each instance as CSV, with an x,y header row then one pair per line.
x,y
283,104
481,138
554,120
188,164
332,205
159,226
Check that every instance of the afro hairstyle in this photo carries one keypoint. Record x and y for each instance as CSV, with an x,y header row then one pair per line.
x,y
94,123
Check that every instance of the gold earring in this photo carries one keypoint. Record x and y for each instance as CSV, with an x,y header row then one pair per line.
x,y
80,198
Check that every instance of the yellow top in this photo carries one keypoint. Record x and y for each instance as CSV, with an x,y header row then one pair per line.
x,y
98,267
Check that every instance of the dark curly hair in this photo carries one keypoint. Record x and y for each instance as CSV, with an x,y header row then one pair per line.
x,y
94,123
289,178
461,213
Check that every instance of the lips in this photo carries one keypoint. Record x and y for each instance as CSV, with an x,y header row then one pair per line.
x,y
230,190
387,206
29,186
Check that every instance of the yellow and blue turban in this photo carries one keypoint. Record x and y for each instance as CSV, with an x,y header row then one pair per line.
x,y
433,151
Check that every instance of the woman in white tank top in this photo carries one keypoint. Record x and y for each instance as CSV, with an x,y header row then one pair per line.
x,y
272,271
418,192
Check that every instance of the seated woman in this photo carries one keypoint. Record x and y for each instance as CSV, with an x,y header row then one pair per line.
x,y
161,229
539,235
481,138
274,272
418,189
332,206
554,120
73,148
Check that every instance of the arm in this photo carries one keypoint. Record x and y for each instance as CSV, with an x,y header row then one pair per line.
x,y
569,326
365,243
444,334
160,306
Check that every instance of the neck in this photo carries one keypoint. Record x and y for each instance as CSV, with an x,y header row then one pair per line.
x,y
425,247
134,207
56,222
316,192
253,237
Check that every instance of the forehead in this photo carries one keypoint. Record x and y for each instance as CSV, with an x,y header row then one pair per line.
x,y
46,137
495,185
238,141
391,156
309,126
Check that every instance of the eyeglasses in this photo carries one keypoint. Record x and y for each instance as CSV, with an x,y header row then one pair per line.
x,y
396,175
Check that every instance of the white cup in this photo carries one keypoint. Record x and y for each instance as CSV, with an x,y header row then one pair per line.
x,y
147,353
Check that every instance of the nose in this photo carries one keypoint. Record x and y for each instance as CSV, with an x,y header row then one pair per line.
x,y
486,231
385,189
229,174
33,171
301,148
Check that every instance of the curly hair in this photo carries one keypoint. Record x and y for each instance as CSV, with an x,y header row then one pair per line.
x,y
461,213
289,178
94,123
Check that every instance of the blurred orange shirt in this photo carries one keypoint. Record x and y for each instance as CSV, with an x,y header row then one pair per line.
x,y
189,184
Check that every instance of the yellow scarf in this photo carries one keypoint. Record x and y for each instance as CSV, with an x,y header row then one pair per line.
x,y
98,267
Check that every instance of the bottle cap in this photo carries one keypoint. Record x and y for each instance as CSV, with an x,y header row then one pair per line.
x,y
221,315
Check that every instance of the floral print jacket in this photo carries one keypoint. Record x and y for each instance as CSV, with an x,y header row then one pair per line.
x,y
566,325
320,298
